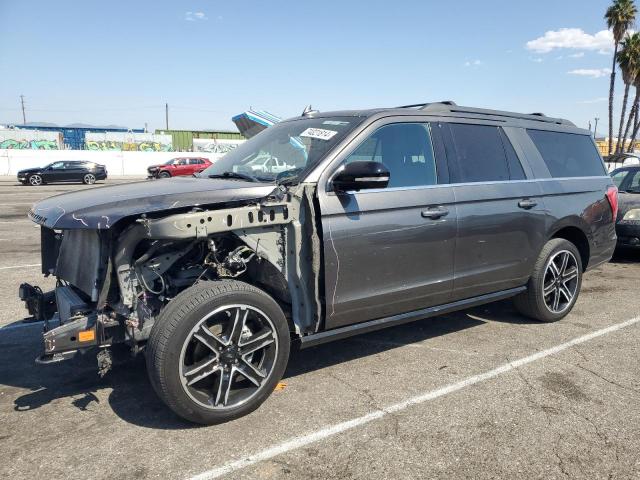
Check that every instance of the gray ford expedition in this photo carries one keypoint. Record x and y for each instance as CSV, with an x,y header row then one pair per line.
x,y
318,228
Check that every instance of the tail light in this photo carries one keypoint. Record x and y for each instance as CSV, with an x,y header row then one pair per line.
x,y
612,196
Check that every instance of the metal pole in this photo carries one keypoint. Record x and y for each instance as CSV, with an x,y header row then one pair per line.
x,y
166,115
595,128
24,117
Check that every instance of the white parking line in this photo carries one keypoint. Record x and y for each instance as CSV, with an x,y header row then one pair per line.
x,y
301,441
20,266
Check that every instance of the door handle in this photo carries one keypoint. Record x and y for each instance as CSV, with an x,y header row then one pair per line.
x,y
527,204
434,213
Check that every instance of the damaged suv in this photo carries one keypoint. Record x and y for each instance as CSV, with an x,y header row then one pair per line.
x,y
373,218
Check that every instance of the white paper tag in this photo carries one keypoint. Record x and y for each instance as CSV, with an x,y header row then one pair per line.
x,y
319,133
334,122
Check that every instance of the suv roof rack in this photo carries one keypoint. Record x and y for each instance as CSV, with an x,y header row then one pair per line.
x,y
451,107
424,105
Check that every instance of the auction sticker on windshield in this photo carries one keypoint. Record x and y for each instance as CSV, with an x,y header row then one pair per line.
x,y
319,133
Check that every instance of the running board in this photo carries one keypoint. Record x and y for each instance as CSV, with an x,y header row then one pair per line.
x,y
372,325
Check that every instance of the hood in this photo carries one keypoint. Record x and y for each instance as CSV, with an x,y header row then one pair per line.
x,y
102,207
151,167
627,201
30,170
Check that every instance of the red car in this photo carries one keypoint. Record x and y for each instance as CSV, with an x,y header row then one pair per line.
x,y
176,167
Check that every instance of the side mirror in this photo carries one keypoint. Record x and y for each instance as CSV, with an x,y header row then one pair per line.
x,y
361,176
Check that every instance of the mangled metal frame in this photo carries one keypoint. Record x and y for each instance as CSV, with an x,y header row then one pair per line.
x,y
281,230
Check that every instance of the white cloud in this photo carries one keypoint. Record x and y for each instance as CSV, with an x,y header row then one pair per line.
x,y
473,63
577,55
591,72
594,100
195,16
537,60
572,38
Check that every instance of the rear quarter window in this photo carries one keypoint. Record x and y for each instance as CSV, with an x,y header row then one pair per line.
x,y
568,154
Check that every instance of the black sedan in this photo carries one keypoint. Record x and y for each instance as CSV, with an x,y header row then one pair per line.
x,y
64,171
628,223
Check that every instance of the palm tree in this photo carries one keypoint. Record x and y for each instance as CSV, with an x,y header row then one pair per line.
x,y
636,120
629,62
620,16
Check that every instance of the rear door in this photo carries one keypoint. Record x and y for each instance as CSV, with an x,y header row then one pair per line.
x,y
389,251
74,171
501,215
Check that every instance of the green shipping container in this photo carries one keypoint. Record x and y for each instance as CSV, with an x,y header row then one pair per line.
x,y
182,140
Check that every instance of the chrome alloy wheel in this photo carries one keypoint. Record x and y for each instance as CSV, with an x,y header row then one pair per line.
x,y
560,281
89,179
35,180
228,356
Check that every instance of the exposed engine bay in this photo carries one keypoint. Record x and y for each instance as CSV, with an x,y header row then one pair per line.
x,y
113,283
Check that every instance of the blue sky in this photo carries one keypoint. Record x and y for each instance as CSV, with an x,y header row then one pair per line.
x,y
118,62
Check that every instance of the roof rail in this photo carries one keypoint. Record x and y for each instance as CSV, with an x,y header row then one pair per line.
x,y
423,106
451,107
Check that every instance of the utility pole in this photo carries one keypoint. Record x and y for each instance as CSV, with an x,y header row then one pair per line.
x,y
24,117
595,128
166,115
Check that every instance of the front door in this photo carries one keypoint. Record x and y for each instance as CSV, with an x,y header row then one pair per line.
x,y
54,172
389,251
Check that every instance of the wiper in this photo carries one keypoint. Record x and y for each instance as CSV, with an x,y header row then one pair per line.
x,y
288,177
239,176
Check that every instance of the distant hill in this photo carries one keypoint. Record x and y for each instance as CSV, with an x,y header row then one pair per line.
x,y
72,125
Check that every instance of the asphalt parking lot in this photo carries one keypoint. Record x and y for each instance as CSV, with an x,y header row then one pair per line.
x,y
478,394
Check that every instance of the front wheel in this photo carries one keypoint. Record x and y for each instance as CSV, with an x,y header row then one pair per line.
x,y
89,179
164,174
555,283
36,180
217,351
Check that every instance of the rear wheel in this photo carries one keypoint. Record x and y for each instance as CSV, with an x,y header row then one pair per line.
x,y
554,286
164,174
35,180
217,351
89,179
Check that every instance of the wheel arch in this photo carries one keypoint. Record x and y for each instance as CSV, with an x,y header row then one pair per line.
x,y
577,235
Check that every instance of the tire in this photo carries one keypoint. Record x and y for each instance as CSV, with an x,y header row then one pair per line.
x,y
89,179
164,174
35,180
548,283
187,363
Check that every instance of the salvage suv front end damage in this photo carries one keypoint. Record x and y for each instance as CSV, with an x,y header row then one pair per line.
x,y
116,273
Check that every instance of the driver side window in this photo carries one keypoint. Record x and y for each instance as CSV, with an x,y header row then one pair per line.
x,y
57,165
405,149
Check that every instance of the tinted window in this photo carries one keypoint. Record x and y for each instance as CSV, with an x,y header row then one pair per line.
x,y
484,154
568,154
619,176
405,149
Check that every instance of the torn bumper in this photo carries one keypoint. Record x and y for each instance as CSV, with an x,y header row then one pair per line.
x,y
70,324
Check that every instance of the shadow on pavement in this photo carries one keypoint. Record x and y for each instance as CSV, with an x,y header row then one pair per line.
x,y
132,398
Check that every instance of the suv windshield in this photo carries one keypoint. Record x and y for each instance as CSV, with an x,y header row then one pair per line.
x,y
283,152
